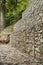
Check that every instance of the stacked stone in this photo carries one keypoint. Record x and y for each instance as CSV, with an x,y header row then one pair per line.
x,y
39,43
12,56
28,32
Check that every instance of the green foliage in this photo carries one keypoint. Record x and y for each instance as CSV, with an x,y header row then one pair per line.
x,y
14,12
14,9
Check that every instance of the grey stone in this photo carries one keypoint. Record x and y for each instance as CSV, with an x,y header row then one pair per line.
x,y
27,35
11,56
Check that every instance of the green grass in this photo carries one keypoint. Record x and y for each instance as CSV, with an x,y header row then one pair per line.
x,y
8,29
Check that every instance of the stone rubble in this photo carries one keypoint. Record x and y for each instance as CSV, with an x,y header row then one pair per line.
x,y
26,40
5,38
27,35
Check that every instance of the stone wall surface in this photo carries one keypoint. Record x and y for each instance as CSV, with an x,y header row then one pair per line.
x,y
27,36
11,56
26,45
